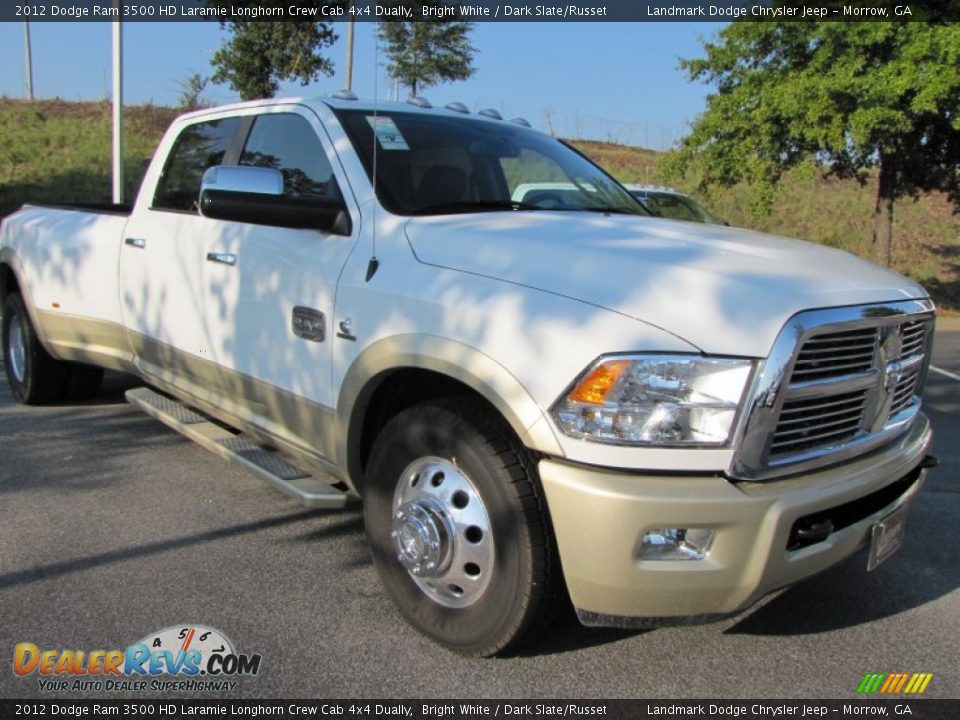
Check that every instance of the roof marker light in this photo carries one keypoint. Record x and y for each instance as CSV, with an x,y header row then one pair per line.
x,y
457,107
419,102
491,113
345,95
521,121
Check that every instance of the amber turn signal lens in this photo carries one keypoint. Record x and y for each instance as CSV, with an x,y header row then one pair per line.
x,y
593,389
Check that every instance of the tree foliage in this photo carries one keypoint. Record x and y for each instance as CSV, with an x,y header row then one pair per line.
x,y
258,55
190,96
855,97
427,50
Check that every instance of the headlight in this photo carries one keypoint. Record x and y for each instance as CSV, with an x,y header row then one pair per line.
x,y
655,400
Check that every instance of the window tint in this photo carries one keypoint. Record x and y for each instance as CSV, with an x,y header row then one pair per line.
x,y
197,148
289,143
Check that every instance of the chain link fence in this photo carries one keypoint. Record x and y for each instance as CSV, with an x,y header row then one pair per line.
x,y
583,126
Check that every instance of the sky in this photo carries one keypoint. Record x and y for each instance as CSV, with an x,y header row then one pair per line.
x,y
603,81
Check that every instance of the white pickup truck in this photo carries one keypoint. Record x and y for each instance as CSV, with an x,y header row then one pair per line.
x,y
535,401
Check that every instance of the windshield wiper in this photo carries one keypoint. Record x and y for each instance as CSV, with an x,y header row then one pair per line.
x,y
475,205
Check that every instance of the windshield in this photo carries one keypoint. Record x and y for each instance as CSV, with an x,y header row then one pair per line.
x,y
675,207
435,165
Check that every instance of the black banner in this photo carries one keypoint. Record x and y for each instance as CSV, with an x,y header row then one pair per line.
x,y
921,709
481,11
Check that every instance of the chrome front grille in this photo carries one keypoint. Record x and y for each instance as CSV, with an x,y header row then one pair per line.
x,y
806,424
835,354
913,351
904,393
837,383
914,338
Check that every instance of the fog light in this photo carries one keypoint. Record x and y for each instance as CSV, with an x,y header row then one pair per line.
x,y
676,544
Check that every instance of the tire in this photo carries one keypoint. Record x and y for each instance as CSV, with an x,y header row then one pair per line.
x,y
449,474
34,376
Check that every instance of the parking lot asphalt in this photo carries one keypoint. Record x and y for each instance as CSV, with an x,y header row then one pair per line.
x,y
113,526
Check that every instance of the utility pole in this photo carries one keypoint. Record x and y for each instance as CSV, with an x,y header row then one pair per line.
x,y
28,58
117,106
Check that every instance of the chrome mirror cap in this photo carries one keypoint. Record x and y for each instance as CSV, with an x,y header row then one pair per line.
x,y
243,178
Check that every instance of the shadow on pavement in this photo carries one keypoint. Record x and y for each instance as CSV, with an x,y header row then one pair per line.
x,y
115,384
54,570
924,570
566,634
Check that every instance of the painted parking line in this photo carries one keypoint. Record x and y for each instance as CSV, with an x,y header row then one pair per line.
x,y
945,373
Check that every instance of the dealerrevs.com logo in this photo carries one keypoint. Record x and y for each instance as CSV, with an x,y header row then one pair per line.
x,y
187,658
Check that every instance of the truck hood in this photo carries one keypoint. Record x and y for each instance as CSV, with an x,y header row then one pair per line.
x,y
725,290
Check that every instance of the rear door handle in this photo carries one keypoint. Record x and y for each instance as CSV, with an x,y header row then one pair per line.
x,y
222,258
136,242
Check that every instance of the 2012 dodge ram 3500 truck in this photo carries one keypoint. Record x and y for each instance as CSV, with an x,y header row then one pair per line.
x,y
660,419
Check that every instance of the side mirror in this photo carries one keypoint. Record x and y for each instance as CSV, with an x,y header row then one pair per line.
x,y
255,195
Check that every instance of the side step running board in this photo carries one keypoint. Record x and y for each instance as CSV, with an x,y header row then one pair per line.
x,y
266,464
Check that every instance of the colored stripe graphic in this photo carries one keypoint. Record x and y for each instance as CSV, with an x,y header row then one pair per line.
x,y
890,682
871,682
894,683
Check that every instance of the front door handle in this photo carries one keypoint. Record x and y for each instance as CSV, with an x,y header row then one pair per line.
x,y
222,258
139,243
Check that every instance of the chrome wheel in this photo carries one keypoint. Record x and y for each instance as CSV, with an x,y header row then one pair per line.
x,y
441,532
18,348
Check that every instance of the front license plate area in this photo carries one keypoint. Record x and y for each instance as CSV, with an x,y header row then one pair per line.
x,y
886,536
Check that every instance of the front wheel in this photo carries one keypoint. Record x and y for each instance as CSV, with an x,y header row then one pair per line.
x,y
458,529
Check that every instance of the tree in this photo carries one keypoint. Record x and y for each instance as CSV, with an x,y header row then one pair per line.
x,y
432,47
191,92
855,97
258,54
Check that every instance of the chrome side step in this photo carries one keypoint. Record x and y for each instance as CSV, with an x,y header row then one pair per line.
x,y
266,464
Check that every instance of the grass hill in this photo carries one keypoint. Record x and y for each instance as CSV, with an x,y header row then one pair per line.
x,y
60,151
52,150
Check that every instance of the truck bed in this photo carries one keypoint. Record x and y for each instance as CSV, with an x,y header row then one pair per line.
x,y
68,255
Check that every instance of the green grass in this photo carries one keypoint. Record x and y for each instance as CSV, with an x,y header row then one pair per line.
x,y
57,151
